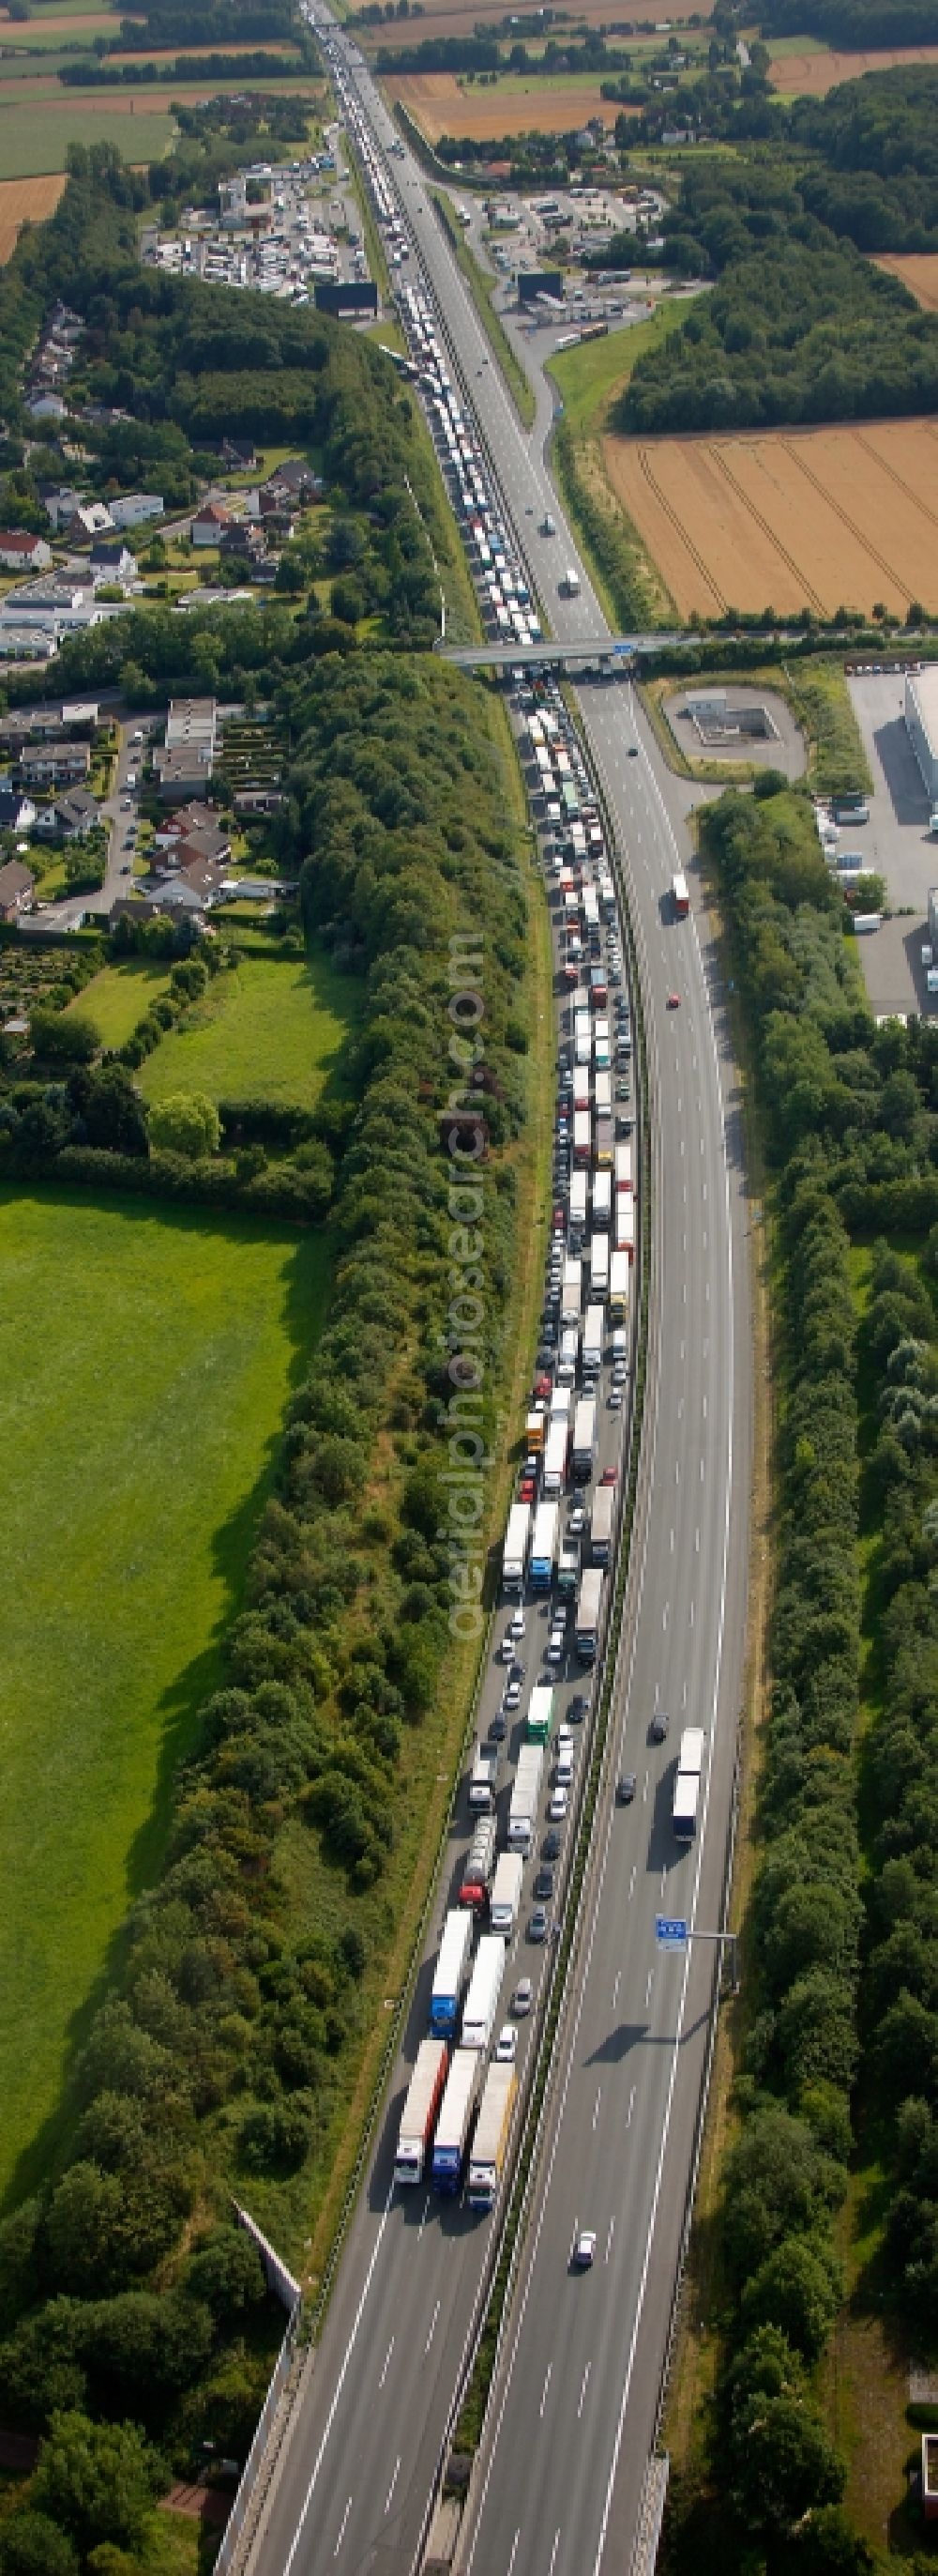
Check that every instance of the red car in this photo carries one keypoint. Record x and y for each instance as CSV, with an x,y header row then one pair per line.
x,y
543,1384
674,1001
609,1476
526,1490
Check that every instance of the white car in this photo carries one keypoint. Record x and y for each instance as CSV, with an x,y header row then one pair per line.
x,y
516,1624
557,1806
513,1695
584,2248
565,1739
615,1400
555,1650
507,2048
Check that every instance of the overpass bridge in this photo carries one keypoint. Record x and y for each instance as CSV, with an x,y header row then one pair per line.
x,y
618,654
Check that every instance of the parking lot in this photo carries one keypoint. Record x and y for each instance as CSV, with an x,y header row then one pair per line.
x,y
895,842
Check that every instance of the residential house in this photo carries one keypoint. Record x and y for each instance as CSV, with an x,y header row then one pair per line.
x,y
294,480
76,813
46,407
20,552
25,643
90,520
55,764
209,524
246,545
113,563
194,828
60,506
16,890
17,811
136,509
238,453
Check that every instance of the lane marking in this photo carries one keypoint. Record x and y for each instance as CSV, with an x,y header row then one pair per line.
x,y
386,2361
553,2554
631,2107
586,2374
340,2383
545,2388
609,2238
341,2537
514,2550
432,2327
599,2096
393,2484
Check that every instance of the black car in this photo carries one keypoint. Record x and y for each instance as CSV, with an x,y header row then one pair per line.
x,y
659,1726
625,1789
552,1844
498,1726
544,1883
578,1707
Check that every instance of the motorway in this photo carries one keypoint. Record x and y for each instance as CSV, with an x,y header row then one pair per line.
x,y
559,2479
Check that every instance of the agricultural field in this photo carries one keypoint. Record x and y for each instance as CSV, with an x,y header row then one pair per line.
x,y
918,270
35,133
517,105
25,201
274,1026
787,519
811,72
147,1358
462,17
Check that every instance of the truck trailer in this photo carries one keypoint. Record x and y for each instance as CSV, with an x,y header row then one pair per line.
x,y
483,1779
506,1893
601,1525
680,895
540,1715
449,1975
484,1989
455,2120
593,1342
522,1812
493,2129
599,1267
424,2095
555,1458
478,1865
544,1545
687,1784
515,1550
587,1614
584,1440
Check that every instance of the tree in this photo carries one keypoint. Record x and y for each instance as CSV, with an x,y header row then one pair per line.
x,y
64,1037
793,2289
80,2229
187,1124
100,2480
32,2545
227,2274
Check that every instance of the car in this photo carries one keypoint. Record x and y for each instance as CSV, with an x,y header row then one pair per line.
x,y
506,2046
576,1522
625,1789
552,1844
516,1670
526,1490
584,2248
512,1695
522,1998
544,1883
565,1738
126,868
610,1476
542,1383
614,1400
516,1624
498,1726
619,1372
557,1805
633,751
538,1923
659,1726
674,1001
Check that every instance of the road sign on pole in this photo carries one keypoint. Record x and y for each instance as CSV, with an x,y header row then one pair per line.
x,y
671,1931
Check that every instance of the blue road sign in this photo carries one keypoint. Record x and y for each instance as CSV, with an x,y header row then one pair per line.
x,y
671,1931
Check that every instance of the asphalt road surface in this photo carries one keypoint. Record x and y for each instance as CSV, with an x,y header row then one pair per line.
x,y
559,2479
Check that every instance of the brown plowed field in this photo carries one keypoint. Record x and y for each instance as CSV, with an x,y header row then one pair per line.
x,y
459,17
918,270
789,519
524,107
25,201
812,75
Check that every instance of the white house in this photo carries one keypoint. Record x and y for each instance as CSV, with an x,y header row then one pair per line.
x,y
135,508
20,552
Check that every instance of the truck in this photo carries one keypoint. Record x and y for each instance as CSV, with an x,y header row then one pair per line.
x,y
851,809
522,1813
515,1550
601,1525
625,1225
506,1893
424,2095
602,1100
620,1283
680,895
455,2120
582,1037
578,1189
604,1143
593,1342
493,2129
568,1572
566,1364
449,1975
624,1166
478,1865
555,1459
535,1430
544,1545
582,1136
587,1614
599,1267
483,1779
540,1713
570,585
570,1299
484,1990
687,1784
584,1440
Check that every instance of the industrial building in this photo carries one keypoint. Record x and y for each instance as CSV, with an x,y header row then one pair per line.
x,y
921,716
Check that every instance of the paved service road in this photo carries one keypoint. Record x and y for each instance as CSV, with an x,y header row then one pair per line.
x,y
559,2479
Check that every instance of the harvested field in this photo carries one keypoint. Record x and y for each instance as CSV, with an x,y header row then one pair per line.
x,y
789,519
812,75
25,201
439,106
918,270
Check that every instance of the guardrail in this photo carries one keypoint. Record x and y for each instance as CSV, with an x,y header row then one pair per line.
x,y
236,2525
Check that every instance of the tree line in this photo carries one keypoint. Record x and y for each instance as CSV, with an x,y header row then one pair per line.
x,y
842,2031
222,2051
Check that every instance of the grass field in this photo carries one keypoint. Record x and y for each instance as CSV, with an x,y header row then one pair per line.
x,y
25,201
274,1026
35,142
118,997
147,1356
787,519
589,377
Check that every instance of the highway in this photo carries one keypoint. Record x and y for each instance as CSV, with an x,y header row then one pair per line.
x,y
558,2482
